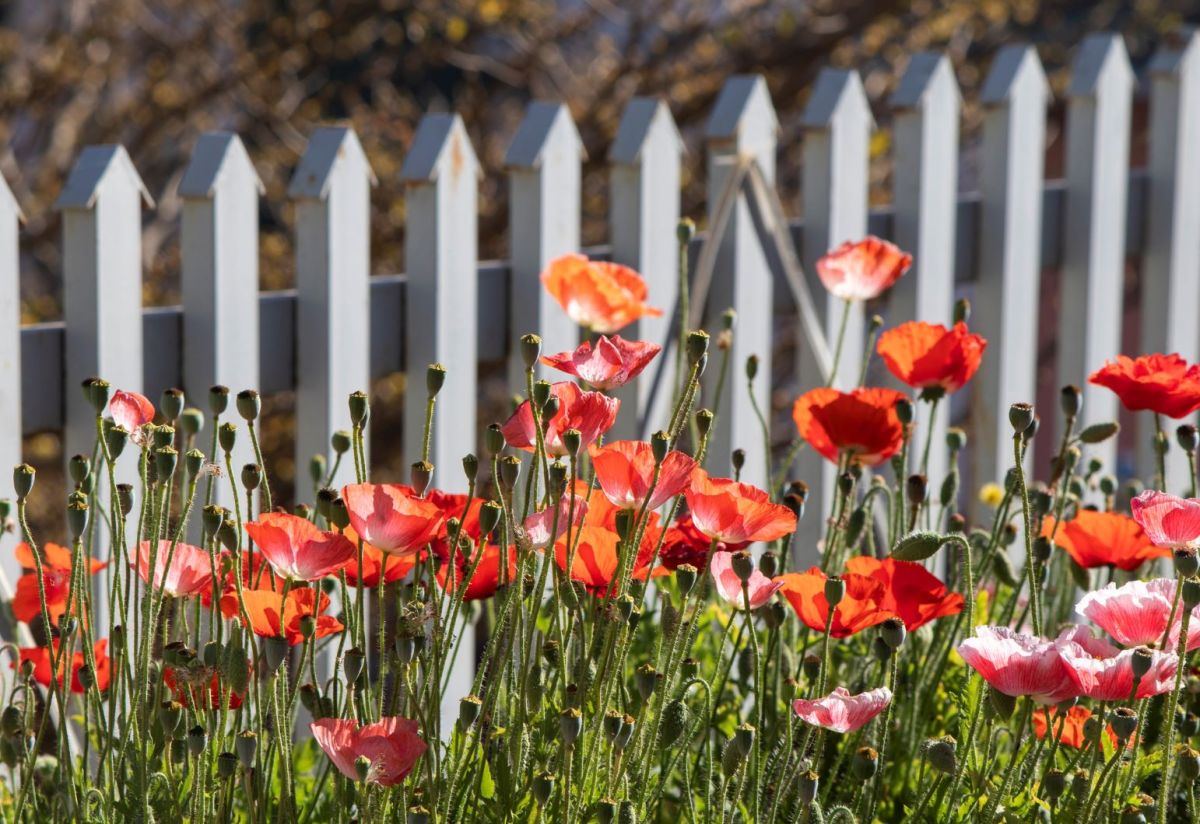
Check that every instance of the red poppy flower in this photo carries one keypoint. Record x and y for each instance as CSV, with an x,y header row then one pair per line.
x,y
190,573
296,548
909,591
734,512
929,356
204,686
262,610
374,560
1068,727
858,609
43,666
484,582
596,559
1164,384
625,472
130,411
391,745
391,518
56,577
1099,539
592,413
597,295
862,270
603,515
861,422
685,544
611,363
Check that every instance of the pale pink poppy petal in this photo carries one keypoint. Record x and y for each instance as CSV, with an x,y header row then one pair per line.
x,y
842,712
1167,520
1017,664
1135,614
539,525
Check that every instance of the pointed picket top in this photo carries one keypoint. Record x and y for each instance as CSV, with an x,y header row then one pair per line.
x,y
440,144
9,201
645,120
216,155
1179,48
1014,68
743,99
1101,59
328,147
95,166
545,123
929,75
837,93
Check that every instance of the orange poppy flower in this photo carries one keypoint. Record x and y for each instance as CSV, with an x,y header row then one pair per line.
x,y
1099,539
862,270
611,363
861,422
734,512
600,296
592,413
858,610
625,472
56,577
484,582
596,559
43,666
930,357
1164,384
1069,728
262,608
909,591
296,548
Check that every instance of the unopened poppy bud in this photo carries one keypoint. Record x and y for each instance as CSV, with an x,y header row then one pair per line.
x,y
674,722
865,763
689,667
905,411
531,349
685,576
893,632
1041,549
1070,400
697,346
1123,721
420,474
12,720
1188,437
23,477
1187,563
948,493
1003,704
1100,432
1191,592
1054,784
1161,445
274,651
77,518
916,488
942,754
811,666
570,723
541,393
1003,568
880,649
1189,764
738,459
318,467
956,439
743,566
917,546
1020,416
360,408
196,739
1107,485
768,564
704,422
751,367
310,698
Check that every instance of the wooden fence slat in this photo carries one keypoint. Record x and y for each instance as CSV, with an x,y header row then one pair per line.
x,y
742,124
10,359
837,132
1100,100
1006,297
643,217
544,172
1170,278
925,132
331,188
441,174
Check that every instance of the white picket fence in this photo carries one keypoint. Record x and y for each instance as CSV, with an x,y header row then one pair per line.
x,y
340,327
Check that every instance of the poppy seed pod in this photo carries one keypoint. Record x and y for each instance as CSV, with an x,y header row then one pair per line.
x,y
360,408
1042,549
1141,662
1070,400
420,474
1054,784
489,516
835,590
352,664
768,564
96,391
704,422
435,379
1123,721
493,439
77,518
115,439
956,439
227,437
646,678
743,566
917,487
1187,563
171,403
162,436
1191,592
165,459
1189,763
470,465
196,739
248,404
613,722
193,462
737,459
23,477
1020,416
572,441
570,724
79,467
274,651
905,411
685,576
811,665
893,632
531,349
1187,437
1081,783
880,649
510,470
1091,728
318,467
697,346
685,230
541,393
12,720
865,763
125,498
543,786
942,754
810,782
252,475
690,667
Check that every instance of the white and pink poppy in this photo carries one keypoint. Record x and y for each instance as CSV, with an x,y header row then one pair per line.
x,y
1017,664
1102,672
1136,613
1167,520
842,712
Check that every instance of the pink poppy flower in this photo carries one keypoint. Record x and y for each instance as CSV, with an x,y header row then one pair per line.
x,y
539,525
592,413
625,472
1104,673
760,588
1167,520
1017,664
734,512
842,712
131,412
862,270
611,363
190,573
1135,614
392,745
390,517
296,549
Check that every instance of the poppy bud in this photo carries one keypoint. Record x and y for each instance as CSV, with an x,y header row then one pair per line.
x,y
1100,432
1070,400
1123,721
893,632
917,546
704,422
1041,549
743,566
77,518
768,564
360,408
811,665
570,724
905,411
1054,784
942,754
23,477
1003,704
956,439
310,698
948,493
697,346
1188,437
531,349
12,720
1020,416
690,667
685,576
674,722
865,763
881,650
420,474
1187,564
835,590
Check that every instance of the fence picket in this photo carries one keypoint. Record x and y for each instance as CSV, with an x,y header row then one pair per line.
x,y
331,188
1006,296
742,125
10,358
1170,267
643,216
544,172
1093,267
